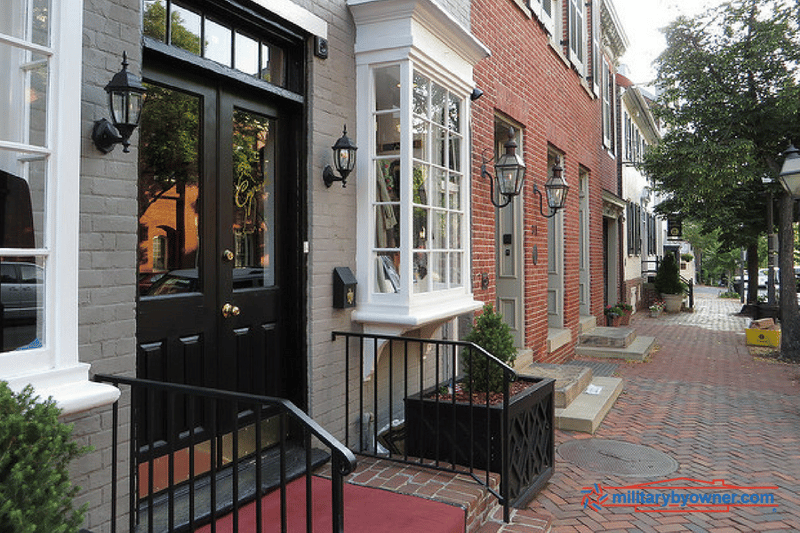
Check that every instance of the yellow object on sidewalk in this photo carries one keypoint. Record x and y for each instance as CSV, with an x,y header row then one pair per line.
x,y
763,337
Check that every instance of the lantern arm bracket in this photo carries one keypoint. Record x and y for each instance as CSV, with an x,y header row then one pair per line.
x,y
486,174
541,204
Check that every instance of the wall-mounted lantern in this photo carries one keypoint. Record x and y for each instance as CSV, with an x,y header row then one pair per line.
x,y
125,98
344,159
790,172
509,173
555,189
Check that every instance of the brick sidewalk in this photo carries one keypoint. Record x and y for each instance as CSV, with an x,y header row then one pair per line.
x,y
702,399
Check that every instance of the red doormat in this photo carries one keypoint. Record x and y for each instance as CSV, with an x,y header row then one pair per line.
x,y
366,510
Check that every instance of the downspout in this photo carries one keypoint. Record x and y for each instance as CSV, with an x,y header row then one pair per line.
x,y
615,142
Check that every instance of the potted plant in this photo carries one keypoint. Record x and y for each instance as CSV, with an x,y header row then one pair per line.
x,y
465,428
627,311
613,315
35,450
657,307
669,285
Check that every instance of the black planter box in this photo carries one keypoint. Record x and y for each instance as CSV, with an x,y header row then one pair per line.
x,y
459,433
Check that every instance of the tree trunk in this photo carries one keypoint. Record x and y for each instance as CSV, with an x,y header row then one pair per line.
x,y
790,316
752,273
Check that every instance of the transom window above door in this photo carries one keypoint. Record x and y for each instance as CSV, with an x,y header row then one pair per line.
x,y
219,39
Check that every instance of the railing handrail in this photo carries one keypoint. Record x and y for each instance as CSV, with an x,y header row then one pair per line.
x,y
346,459
507,370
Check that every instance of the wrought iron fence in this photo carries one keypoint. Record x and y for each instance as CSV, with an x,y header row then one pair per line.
x,y
412,403
196,468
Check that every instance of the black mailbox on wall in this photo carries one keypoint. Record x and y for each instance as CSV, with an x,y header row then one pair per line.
x,y
344,288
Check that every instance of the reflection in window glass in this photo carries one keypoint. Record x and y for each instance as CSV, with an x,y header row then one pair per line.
x,y
246,54
420,95
217,43
24,86
185,29
254,200
387,278
20,15
169,191
388,180
387,132
154,20
272,64
22,297
387,88
387,230
421,278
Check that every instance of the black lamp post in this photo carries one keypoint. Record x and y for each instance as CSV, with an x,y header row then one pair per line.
x,y
509,173
344,159
125,98
556,190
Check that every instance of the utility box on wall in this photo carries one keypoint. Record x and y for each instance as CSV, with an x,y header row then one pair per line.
x,y
344,288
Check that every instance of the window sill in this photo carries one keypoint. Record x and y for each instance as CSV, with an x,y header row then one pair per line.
x,y
69,387
403,318
556,338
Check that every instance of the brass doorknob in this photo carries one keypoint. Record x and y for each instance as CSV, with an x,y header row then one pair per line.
x,y
227,255
229,310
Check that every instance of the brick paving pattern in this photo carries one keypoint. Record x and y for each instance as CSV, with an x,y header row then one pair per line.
x,y
704,400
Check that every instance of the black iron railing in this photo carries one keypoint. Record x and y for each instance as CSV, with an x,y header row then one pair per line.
x,y
408,410
196,468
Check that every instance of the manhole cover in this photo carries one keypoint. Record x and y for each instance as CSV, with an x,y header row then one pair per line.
x,y
619,458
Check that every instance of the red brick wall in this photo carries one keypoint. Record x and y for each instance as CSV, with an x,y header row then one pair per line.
x,y
527,80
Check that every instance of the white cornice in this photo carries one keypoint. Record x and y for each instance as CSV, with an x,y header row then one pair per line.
x,y
297,15
613,32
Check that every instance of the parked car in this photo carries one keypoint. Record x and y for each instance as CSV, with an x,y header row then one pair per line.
x,y
21,291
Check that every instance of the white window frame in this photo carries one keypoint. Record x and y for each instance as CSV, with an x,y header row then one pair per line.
x,y
608,105
55,369
426,39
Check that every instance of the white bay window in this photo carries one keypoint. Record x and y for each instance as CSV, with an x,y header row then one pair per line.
x,y
413,163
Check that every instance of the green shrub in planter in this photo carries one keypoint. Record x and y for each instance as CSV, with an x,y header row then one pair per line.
x,y
35,450
668,277
494,336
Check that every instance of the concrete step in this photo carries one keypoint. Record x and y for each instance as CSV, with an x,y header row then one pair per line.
x,y
587,411
602,336
638,350
570,380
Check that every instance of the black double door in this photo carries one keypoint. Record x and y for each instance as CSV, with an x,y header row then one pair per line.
x,y
219,244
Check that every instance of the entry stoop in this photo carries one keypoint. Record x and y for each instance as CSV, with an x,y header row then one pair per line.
x,y
614,343
581,399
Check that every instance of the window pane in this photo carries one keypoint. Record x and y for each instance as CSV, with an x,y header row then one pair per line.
x,y
155,20
455,230
387,226
246,54
217,43
23,107
421,184
22,201
421,232
454,157
455,269
455,191
420,127
254,200
16,17
387,88
169,192
272,65
439,146
454,113
421,277
387,176
440,183
387,278
22,296
185,29
438,107
420,92
439,270
439,230
387,134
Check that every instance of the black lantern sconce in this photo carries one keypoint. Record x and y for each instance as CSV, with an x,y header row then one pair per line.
x,y
555,189
344,159
125,99
790,171
509,173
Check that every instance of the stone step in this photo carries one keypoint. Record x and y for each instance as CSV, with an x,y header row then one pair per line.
x,y
570,380
638,350
621,337
522,521
587,411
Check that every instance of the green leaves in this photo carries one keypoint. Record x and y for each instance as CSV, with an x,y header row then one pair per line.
x,y
492,334
35,450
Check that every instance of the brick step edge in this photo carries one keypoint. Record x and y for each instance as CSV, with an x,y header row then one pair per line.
x,y
522,521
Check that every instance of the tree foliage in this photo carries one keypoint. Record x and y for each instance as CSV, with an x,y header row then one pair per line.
x,y
492,334
730,102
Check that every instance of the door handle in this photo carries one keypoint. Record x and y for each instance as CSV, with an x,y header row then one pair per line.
x,y
227,255
229,310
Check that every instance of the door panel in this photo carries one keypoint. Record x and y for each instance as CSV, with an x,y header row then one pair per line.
x,y
218,276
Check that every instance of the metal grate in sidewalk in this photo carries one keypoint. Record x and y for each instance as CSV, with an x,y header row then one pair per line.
x,y
599,368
